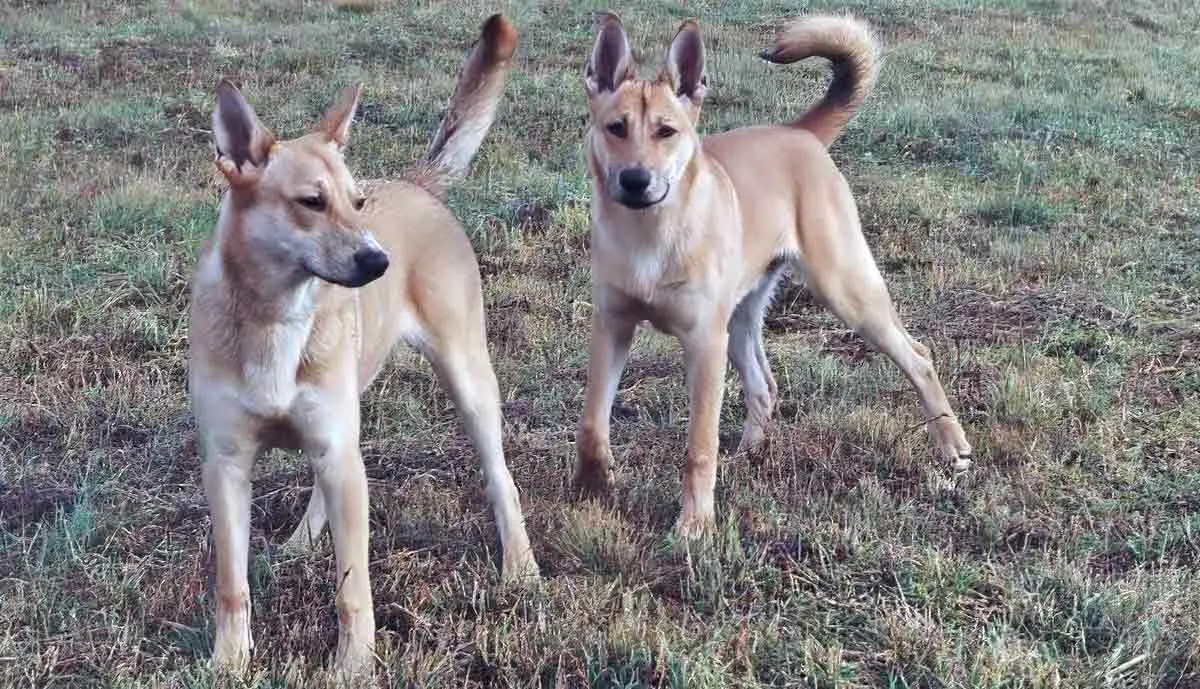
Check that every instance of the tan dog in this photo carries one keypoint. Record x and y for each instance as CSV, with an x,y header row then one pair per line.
x,y
693,235
282,344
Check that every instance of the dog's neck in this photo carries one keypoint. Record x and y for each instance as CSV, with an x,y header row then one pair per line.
x,y
268,315
264,290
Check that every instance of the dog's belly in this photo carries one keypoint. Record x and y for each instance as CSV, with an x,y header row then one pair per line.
x,y
280,433
315,422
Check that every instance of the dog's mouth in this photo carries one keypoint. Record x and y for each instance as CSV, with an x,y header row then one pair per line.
x,y
353,279
368,263
638,203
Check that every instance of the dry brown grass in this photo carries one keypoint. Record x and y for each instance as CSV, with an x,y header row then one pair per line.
x,y
1027,177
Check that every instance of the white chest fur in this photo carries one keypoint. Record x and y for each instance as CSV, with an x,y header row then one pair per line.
x,y
271,357
631,251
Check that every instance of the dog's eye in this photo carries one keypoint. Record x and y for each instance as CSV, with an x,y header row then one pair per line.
x,y
315,202
664,132
359,203
617,129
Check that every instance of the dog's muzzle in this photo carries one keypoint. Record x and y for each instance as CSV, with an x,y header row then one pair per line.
x,y
634,188
369,265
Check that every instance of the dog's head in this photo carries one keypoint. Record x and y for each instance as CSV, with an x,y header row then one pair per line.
x,y
643,133
296,201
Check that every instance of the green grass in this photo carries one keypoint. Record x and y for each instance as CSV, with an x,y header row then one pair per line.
x,y
1027,174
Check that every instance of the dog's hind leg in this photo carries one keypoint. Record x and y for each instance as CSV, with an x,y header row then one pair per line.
x,y
856,293
308,532
312,525
750,360
463,366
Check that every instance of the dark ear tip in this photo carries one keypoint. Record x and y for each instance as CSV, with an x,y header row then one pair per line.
x,y
690,29
608,20
227,89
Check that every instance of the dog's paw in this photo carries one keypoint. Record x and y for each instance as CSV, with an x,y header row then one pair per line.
x,y
753,442
231,659
952,442
301,542
593,480
231,647
520,569
354,665
693,524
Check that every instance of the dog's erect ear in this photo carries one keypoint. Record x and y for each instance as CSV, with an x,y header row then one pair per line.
x,y
336,123
685,64
612,61
241,139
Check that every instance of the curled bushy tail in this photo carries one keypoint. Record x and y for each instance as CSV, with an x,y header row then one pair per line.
x,y
472,108
850,45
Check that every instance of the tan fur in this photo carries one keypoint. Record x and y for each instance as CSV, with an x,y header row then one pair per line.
x,y
693,236
296,304
473,105
852,51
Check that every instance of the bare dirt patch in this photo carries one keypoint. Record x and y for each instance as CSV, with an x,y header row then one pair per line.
x,y
23,508
976,317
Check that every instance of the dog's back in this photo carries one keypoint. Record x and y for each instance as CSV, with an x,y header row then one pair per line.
x,y
433,268
430,282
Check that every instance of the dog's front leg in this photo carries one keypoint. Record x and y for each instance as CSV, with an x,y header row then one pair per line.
x,y
611,337
343,483
226,477
704,352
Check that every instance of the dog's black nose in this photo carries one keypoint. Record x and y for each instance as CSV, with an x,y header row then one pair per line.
x,y
634,180
371,263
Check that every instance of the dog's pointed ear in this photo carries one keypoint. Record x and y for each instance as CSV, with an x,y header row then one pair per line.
x,y
612,61
685,64
336,123
240,138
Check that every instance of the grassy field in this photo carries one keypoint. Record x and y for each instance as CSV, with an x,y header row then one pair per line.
x,y
1027,173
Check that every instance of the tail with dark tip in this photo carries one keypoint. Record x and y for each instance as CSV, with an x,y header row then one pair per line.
x,y
850,46
472,108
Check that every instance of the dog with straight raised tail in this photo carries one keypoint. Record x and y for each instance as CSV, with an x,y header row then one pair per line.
x,y
297,301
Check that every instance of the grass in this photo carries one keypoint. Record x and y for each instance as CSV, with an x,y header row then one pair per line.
x,y
1027,175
